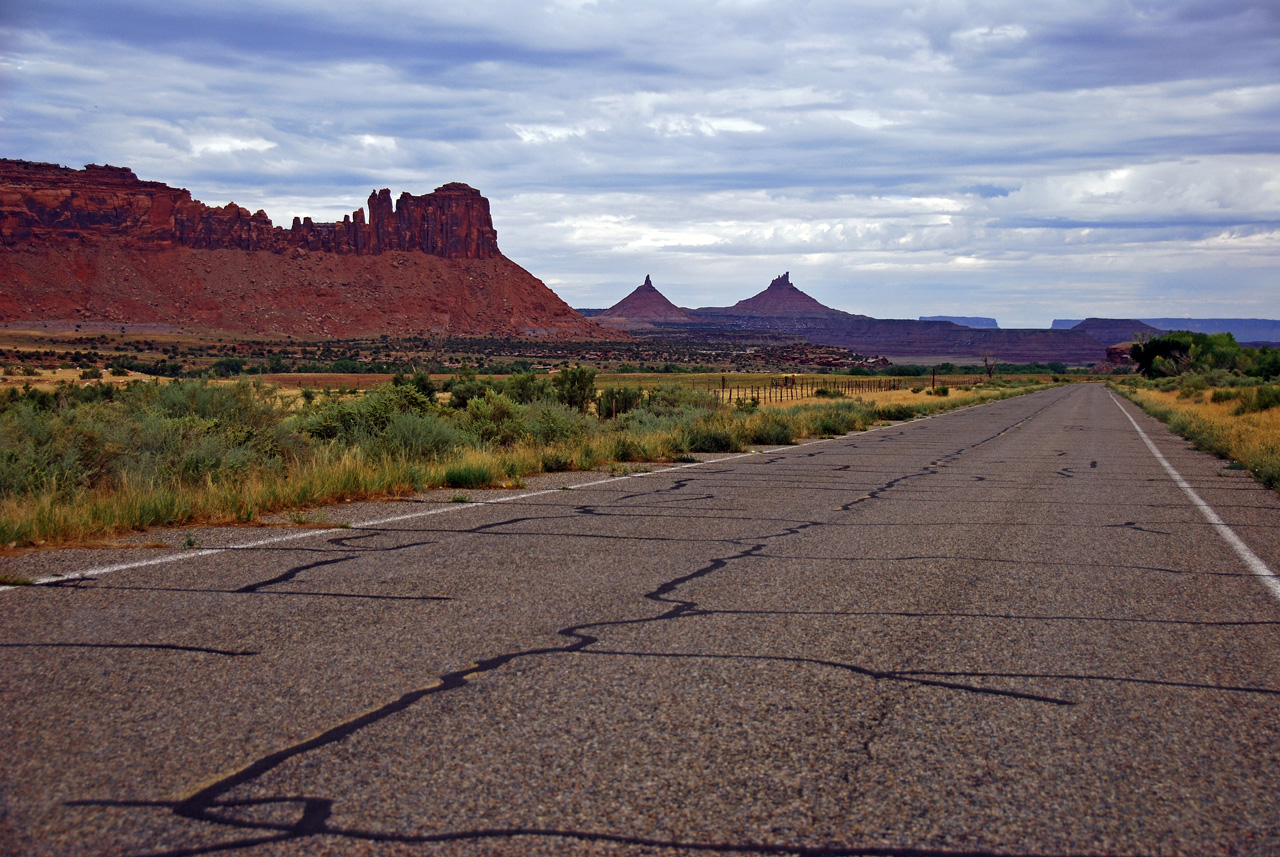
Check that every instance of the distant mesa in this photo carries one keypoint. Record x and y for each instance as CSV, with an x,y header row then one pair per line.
x,y
642,309
100,245
1111,331
974,321
1250,330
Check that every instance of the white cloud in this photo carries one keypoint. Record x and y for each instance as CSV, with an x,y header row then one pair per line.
x,y
376,141
222,144
980,37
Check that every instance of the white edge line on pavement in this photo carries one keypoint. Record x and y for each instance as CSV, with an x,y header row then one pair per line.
x,y
1251,559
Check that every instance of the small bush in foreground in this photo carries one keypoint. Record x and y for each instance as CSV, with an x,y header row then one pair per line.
x,y
616,401
895,413
1257,399
771,429
709,435
471,474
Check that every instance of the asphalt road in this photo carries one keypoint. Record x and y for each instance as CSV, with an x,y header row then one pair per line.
x,y
1007,630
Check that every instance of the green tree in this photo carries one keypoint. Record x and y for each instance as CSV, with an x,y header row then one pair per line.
x,y
575,387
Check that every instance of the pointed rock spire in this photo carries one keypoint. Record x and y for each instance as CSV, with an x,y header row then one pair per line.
x,y
646,305
781,297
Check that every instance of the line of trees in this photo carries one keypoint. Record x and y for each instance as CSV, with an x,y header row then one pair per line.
x,y
1183,351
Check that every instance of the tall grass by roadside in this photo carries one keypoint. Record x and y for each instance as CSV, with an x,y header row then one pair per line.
x,y
1230,424
81,462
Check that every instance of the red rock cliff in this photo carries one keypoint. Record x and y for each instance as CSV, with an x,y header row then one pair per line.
x,y
47,203
100,244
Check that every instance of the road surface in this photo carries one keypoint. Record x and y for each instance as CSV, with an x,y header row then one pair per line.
x,y
1006,630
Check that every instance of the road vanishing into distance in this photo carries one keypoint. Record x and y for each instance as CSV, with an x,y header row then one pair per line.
x,y
1040,626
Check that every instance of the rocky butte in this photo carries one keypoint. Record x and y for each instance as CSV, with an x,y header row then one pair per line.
x,y
100,245
643,308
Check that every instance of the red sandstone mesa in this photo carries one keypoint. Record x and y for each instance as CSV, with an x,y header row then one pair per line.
x,y
98,244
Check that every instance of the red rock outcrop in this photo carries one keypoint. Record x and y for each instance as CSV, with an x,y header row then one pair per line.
x,y
780,298
98,244
644,307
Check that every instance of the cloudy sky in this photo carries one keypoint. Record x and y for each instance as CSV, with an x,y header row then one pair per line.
x,y
901,158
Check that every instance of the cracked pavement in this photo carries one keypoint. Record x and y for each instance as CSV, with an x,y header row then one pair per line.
x,y
1000,631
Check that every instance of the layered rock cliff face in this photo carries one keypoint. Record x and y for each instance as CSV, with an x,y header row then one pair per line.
x,y
98,244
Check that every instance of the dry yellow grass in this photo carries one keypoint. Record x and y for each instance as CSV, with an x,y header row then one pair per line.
x,y
1253,439
49,378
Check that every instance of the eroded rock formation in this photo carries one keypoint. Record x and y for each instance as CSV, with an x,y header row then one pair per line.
x,y
643,308
46,203
99,244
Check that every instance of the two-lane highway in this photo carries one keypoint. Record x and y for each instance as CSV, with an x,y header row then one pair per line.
x,y
1007,630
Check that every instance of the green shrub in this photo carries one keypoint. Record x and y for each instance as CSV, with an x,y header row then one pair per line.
x,y
669,398
1227,395
472,474
419,380
623,447
421,435
362,420
100,436
840,418
575,387
91,374
895,412
615,401
555,460
746,406
708,435
552,422
1256,399
527,388
465,386
1191,386
494,418
824,393
771,429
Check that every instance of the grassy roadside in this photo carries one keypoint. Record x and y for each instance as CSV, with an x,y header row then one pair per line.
x,y
1214,420
81,463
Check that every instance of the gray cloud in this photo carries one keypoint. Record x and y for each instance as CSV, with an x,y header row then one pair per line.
x,y
935,157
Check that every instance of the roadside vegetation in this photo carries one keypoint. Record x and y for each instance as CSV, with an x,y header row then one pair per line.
x,y
86,460
1221,396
